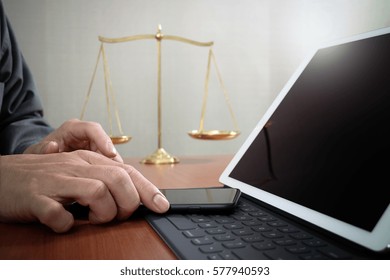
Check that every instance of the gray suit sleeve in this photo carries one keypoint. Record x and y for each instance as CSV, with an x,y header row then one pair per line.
x,y
21,113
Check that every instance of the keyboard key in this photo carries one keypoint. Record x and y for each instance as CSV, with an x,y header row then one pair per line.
x,y
226,255
194,233
224,221
264,246
288,230
225,237
266,219
273,235
301,236
262,229
234,244
233,226
211,249
249,253
214,257
285,242
248,209
298,249
251,239
200,219
252,223
277,224
242,218
181,222
314,243
334,253
202,241
242,232
257,214
208,225
213,231
280,254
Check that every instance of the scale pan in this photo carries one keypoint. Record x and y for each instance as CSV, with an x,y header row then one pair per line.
x,y
120,139
213,134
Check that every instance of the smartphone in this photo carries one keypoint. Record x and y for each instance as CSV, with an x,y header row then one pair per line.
x,y
202,199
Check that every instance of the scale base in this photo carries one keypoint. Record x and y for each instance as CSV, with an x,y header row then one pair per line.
x,y
160,156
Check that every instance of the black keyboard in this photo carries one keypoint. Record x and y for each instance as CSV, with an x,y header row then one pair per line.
x,y
249,232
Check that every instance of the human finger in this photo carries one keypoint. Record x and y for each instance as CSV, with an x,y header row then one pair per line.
x,y
51,213
149,194
117,158
128,188
44,147
94,194
75,179
99,141
102,184
119,187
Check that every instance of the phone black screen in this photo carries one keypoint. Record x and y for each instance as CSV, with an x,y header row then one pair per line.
x,y
202,198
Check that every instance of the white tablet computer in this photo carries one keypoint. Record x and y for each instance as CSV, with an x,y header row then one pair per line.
x,y
321,152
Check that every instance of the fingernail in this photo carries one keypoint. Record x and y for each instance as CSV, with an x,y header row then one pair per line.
x,y
111,148
49,147
161,202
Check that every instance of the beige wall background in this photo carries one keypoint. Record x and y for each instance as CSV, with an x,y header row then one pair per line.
x,y
258,45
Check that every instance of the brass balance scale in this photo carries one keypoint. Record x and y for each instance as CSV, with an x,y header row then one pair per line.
x,y
160,156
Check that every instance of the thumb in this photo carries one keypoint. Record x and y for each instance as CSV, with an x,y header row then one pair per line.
x,y
45,147
50,147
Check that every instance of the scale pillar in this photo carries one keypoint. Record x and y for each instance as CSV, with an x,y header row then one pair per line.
x,y
160,156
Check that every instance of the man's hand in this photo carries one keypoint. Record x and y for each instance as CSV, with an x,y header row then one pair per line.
x,y
76,135
36,188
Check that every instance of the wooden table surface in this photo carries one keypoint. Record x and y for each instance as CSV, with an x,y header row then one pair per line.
x,y
131,239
